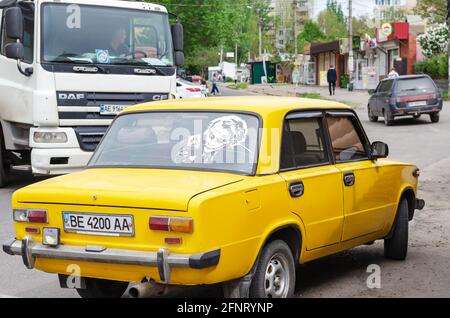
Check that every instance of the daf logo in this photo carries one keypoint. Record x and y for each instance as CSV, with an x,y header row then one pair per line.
x,y
71,96
157,98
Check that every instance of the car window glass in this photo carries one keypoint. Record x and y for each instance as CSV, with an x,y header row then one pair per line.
x,y
416,85
303,144
386,86
345,140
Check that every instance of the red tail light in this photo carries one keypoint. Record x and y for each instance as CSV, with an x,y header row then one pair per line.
x,y
30,215
193,90
171,224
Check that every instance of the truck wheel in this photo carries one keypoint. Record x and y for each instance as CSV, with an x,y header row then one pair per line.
x,y
388,119
372,117
435,118
396,247
275,272
3,167
99,288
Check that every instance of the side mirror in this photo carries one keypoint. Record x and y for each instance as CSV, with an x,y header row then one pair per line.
x,y
14,23
179,58
14,51
178,37
371,92
379,150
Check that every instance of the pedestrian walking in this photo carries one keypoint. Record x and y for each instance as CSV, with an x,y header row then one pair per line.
x,y
215,88
393,73
332,79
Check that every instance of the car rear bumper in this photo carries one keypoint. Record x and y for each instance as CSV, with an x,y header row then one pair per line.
x,y
411,111
163,259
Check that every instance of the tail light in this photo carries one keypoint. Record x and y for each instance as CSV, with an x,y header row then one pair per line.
x,y
30,215
193,90
171,224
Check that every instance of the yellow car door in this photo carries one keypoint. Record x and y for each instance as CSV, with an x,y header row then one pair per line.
x,y
313,182
365,198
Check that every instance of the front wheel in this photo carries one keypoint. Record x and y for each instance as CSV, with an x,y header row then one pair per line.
x,y
396,247
372,117
435,118
99,288
275,272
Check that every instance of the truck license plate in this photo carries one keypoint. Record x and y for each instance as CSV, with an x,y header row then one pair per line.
x,y
98,224
112,109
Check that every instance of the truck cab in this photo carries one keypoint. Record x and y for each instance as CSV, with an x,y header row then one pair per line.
x,y
67,68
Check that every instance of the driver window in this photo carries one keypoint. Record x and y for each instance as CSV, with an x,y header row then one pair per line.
x,y
346,142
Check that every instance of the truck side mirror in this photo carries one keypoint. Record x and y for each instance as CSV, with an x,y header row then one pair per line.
x,y
179,58
14,23
379,150
178,37
14,51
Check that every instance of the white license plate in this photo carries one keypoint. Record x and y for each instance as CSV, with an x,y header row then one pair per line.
x,y
112,109
417,104
98,224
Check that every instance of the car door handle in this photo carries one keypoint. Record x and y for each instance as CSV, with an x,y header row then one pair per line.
x,y
349,179
296,189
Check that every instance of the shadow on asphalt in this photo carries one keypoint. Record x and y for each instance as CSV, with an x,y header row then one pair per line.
x,y
407,122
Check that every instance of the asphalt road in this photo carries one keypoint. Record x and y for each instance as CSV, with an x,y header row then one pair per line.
x,y
424,274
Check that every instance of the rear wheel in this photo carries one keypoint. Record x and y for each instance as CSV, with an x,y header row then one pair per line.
x,y
417,116
435,118
388,118
275,272
99,288
372,117
396,247
3,165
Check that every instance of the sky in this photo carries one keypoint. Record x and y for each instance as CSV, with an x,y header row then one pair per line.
x,y
360,7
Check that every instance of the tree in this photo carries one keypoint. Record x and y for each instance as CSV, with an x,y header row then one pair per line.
x,y
435,40
331,25
435,10
311,33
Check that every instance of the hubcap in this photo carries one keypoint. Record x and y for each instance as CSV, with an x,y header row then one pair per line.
x,y
276,280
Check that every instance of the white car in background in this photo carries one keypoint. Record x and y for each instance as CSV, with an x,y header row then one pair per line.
x,y
187,89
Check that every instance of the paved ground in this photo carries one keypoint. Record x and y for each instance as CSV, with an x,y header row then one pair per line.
x,y
424,274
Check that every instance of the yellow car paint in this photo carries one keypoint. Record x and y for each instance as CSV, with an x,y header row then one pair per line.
x,y
231,212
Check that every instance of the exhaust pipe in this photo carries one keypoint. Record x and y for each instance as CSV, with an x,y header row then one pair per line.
x,y
148,290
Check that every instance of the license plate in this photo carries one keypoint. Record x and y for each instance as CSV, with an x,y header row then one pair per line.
x,y
98,224
112,109
416,104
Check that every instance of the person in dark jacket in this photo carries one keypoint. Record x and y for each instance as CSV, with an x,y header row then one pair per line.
x,y
332,79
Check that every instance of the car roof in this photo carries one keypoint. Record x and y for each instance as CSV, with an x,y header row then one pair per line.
x,y
408,77
262,105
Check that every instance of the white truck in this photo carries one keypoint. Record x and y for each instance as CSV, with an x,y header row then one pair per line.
x,y
67,67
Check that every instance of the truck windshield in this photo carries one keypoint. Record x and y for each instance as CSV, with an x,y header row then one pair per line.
x,y
93,34
206,141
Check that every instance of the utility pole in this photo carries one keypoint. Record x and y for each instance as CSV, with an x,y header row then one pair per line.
x,y
260,37
350,40
295,28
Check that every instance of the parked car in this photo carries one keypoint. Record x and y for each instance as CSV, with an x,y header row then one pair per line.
x,y
412,95
187,89
228,203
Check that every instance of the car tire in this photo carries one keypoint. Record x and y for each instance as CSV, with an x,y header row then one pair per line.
x,y
275,273
372,117
388,119
3,167
417,116
396,247
435,118
99,288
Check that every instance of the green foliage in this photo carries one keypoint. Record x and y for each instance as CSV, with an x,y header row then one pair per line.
x,y
435,10
311,33
336,8
240,85
211,24
436,67
331,23
345,80
435,40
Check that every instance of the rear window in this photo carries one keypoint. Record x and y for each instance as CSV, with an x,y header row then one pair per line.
x,y
416,85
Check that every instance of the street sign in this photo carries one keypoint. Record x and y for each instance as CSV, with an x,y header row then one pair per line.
x,y
230,55
387,29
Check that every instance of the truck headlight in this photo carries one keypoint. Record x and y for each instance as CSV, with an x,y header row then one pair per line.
x,y
50,137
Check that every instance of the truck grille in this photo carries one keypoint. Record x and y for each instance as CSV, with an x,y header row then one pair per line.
x,y
90,137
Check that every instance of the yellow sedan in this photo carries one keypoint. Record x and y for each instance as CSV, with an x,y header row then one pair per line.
x,y
236,191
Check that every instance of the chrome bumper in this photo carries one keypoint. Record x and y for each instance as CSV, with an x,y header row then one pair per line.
x,y
163,259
